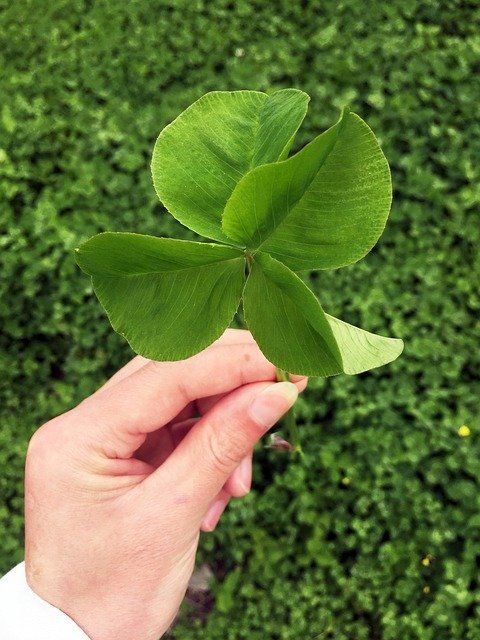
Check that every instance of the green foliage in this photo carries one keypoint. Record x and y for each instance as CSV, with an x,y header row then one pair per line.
x,y
215,168
297,335
156,289
323,208
201,156
330,549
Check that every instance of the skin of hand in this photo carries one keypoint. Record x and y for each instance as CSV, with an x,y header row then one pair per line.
x,y
118,489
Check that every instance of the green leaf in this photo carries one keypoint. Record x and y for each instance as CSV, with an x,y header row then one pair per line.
x,y
169,298
324,207
294,333
362,350
287,321
199,158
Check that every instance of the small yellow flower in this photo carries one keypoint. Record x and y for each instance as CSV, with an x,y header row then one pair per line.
x,y
426,589
426,561
345,481
464,431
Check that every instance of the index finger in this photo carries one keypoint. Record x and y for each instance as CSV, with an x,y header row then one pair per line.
x,y
230,336
118,418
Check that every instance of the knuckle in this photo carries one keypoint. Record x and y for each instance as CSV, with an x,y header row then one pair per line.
x,y
38,443
225,450
46,443
38,458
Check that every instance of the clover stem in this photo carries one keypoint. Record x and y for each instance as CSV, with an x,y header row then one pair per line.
x,y
249,260
289,418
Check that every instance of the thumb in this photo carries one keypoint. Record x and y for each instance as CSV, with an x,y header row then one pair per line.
x,y
219,441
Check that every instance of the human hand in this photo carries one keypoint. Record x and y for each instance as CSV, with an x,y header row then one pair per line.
x,y
118,489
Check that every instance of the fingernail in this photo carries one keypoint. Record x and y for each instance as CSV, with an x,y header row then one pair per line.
x,y
271,403
245,473
213,515
298,378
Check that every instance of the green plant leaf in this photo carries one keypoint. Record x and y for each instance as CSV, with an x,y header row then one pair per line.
x,y
199,158
362,350
323,208
294,333
287,321
169,298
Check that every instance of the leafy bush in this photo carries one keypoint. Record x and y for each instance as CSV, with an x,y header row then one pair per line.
x,y
376,536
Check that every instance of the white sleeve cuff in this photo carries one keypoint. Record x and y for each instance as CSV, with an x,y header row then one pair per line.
x,y
25,616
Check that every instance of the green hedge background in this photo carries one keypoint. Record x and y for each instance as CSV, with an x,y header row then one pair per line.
x,y
377,535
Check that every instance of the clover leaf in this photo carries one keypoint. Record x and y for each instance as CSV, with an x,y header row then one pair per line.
x,y
222,169
200,157
169,298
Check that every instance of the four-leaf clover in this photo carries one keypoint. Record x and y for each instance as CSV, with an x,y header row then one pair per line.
x,y
222,169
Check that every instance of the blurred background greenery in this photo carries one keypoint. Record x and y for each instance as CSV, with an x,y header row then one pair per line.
x,y
377,535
